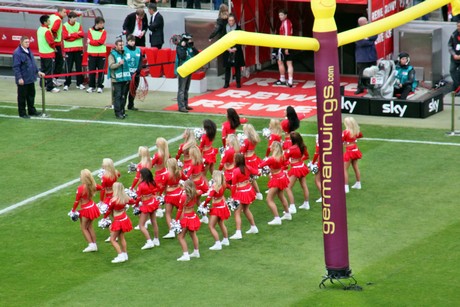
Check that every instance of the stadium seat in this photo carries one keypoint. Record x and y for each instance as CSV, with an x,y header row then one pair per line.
x,y
151,55
168,69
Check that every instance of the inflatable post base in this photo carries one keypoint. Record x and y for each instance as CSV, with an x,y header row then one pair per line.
x,y
338,275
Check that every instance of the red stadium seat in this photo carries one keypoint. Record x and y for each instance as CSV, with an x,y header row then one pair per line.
x,y
168,69
151,55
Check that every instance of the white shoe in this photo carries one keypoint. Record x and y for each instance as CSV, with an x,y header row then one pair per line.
x,y
216,247
169,235
204,220
90,90
156,242
55,90
125,255
253,229
236,236
286,216
80,87
118,259
107,240
137,227
357,185
305,205
347,188
92,247
275,221
292,209
148,245
56,82
185,257
148,222
99,90
65,88
195,254
319,200
259,196
225,242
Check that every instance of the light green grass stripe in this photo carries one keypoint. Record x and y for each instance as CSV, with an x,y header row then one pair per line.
x,y
67,184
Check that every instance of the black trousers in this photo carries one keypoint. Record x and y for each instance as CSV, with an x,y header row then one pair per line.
x,y
173,3
360,67
47,67
403,91
26,97
96,63
119,100
128,93
71,58
59,61
228,71
191,2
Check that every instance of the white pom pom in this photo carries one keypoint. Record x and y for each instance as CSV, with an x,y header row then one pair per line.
x,y
176,227
104,223
232,204
132,167
100,172
103,207
266,133
74,215
202,210
198,133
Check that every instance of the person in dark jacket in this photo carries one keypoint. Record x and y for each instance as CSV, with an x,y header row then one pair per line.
x,y
405,78
221,23
25,73
185,51
365,55
136,24
156,26
454,50
233,57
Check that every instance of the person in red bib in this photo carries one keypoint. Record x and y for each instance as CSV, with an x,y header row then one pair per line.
x,y
121,222
352,154
189,221
88,209
284,55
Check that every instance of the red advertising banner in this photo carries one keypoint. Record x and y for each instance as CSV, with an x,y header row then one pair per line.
x,y
383,8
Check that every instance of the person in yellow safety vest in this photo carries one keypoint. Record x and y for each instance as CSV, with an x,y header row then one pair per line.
x,y
96,49
56,29
46,51
120,76
72,35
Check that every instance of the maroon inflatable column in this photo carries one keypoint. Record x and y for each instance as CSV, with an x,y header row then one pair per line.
x,y
334,211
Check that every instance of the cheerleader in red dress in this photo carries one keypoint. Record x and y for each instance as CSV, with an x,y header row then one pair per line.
x,y
189,221
248,149
196,171
159,162
88,209
173,179
351,151
243,192
291,123
109,177
209,153
219,210
233,122
315,160
146,198
275,134
227,162
145,162
121,222
277,184
296,156
189,142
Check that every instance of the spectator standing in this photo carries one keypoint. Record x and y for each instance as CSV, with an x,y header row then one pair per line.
x,y
365,55
455,5
72,35
197,4
217,4
97,49
56,29
136,4
134,62
156,26
120,76
221,23
233,57
184,52
284,55
25,73
405,78
46,51
136,24
454,50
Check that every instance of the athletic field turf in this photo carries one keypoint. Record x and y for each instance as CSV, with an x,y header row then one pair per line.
x,y
403,225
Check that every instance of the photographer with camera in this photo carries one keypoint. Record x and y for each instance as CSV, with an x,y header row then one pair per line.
x,y
185,50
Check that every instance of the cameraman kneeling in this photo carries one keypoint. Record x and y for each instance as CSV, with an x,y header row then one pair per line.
x,y
405,78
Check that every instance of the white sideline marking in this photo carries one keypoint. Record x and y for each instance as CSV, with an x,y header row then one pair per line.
x,y
67,184
54,110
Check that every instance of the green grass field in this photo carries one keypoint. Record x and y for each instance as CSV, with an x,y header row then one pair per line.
x,y
403,226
